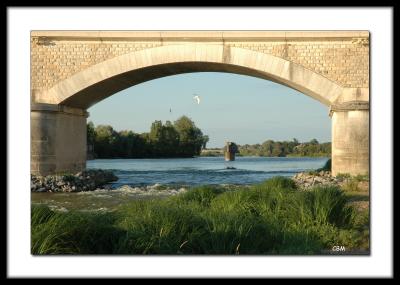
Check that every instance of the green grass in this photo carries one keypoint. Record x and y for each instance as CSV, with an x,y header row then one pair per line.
x,y
351,184
268,218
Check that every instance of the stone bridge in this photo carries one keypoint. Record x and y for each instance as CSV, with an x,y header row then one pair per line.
x,y
72,70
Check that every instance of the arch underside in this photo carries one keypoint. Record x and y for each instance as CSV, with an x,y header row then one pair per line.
x,y
102,80
101,90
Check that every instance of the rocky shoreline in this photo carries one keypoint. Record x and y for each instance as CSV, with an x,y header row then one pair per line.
x,y
307,180
93,179
87,180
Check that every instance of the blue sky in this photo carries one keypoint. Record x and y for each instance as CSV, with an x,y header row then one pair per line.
x,y
233,107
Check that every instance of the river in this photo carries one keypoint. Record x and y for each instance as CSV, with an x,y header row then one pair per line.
x,y
144,178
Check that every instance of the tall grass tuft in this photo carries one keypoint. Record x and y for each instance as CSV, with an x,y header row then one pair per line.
x,y
72,233
272,217
329,206
202,195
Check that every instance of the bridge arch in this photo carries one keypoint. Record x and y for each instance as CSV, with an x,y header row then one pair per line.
x,y
101,80
58,112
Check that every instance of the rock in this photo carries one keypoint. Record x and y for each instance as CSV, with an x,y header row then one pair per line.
x,y
306,180
87,180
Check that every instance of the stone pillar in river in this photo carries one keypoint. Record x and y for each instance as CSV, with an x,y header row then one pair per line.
x,y
230,150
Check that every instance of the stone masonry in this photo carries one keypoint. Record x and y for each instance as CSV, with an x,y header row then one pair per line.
x,y
72,70
344,60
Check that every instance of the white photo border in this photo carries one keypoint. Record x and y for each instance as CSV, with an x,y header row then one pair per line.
x,y
20,21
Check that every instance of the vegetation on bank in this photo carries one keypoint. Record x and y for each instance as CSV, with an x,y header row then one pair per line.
x,y
271,148
214,152
327,166
272,217
183,139
180,139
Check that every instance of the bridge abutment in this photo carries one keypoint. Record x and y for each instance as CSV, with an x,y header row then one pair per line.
x,y
58,139
350,138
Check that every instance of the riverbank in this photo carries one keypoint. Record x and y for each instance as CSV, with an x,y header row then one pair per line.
x,y
272,217
97,179
309,179
212,153
87,180
306,180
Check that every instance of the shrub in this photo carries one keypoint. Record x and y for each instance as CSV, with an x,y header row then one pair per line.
x,y
327,166
279,182
201,195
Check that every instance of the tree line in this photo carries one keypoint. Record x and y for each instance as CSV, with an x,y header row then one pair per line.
x,y
179,139
286,148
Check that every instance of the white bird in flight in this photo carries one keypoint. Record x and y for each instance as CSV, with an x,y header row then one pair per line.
x,y
197,99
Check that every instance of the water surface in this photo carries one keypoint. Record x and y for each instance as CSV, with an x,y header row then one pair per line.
x,y
204,170
149,178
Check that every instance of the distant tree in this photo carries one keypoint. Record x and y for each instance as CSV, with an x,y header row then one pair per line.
x,y
155,131
190,137
156,137
285,148
185,127
170,139
91,133
206,139
126,144
105,141
277,149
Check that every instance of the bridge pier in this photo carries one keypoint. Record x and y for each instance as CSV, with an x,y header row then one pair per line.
x,y
350,138
58,139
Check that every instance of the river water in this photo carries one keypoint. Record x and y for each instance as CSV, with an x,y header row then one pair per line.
x,y
144,178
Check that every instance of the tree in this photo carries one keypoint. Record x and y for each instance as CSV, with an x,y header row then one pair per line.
x,y
90,133
171,139
125,144
156,131
190,137
266,149
277,149
164,139
156,137
206,139
181,139
105,141
185,127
